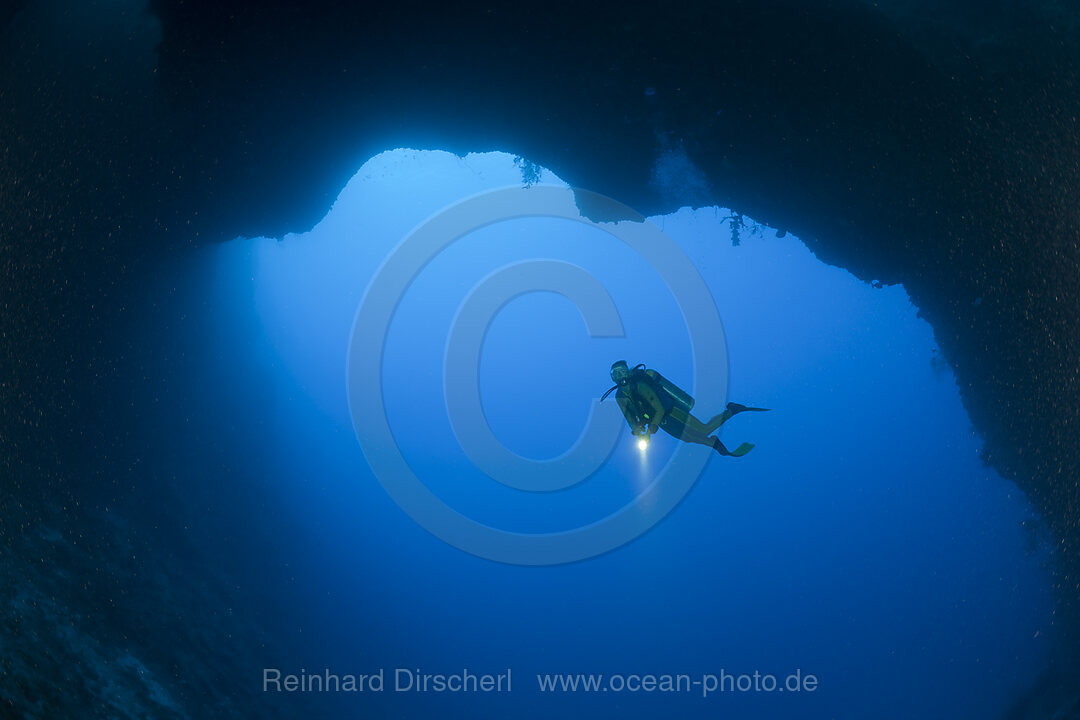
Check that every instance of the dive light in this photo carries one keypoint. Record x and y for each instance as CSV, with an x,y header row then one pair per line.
x,y
643,437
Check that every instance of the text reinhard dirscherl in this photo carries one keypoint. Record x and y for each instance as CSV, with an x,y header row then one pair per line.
x,y
397,680
409,680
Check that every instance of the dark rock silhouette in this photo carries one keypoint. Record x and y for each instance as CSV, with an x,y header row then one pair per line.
x,y
905,145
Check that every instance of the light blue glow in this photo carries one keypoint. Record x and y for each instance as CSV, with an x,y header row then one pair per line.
x,y
862,540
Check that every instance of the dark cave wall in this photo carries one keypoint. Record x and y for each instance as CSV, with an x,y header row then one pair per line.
x,y
905,154
906,147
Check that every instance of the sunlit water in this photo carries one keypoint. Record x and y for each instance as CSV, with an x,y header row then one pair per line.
x,y
862,541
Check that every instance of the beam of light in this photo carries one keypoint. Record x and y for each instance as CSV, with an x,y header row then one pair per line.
x,y
644,477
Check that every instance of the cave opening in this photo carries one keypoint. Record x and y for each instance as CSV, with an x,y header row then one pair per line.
x,y
863,540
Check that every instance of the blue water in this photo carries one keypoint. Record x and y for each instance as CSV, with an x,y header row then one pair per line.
x,y
862,541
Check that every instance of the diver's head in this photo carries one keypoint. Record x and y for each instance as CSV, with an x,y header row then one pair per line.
x,y
620,373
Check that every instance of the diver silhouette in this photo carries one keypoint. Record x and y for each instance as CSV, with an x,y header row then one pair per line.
x,y
649,402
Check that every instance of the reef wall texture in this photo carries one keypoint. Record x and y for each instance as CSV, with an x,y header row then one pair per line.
x,y
930,144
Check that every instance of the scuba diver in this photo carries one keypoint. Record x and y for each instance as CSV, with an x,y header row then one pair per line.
x,y
649,401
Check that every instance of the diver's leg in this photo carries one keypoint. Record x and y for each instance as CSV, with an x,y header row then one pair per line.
x,y
690,423
685,427
687,433
680,426
694,436
718,420
691,435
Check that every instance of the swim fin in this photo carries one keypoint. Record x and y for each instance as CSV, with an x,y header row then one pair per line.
x,y
737,408
742,449
738,452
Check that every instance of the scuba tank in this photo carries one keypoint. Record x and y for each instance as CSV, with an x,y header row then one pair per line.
x,y
679,397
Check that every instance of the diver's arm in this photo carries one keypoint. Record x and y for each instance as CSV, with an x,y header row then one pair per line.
x,y
624,405
632,411
656,408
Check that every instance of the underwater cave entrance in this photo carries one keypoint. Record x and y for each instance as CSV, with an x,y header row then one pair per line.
x,y
863,538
